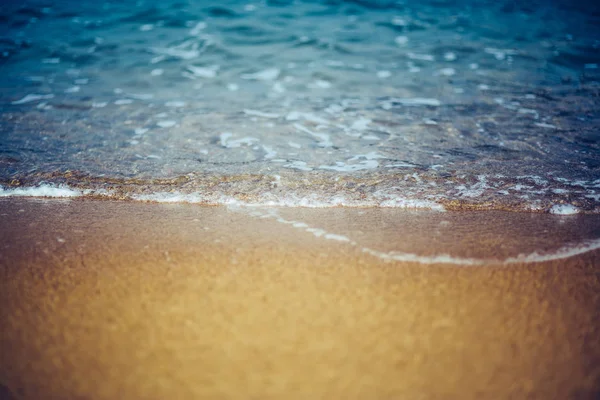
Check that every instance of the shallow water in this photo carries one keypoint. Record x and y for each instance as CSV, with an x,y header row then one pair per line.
x,y
454,104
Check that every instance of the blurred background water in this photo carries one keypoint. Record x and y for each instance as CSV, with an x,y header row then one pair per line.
x,y
468,104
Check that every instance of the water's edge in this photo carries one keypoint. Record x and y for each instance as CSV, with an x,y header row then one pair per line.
x,y
412,191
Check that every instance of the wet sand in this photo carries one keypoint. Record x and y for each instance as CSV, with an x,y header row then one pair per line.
x,y
105,300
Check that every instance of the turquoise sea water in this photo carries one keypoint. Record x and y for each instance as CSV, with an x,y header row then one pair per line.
x,y
455,104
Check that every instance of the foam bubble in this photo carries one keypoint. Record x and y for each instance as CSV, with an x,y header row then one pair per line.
x,y
564,209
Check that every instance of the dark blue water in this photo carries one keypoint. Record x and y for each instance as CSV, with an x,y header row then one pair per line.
x,y
460,104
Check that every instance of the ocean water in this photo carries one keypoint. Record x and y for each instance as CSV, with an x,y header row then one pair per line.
x,y
443,104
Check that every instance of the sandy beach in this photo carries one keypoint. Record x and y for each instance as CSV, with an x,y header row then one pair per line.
x,y
300,199
105,300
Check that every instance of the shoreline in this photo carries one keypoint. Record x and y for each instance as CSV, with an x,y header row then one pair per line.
x,y
107,299
409,190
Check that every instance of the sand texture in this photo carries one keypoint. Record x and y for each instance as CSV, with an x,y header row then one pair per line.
x,y
109,300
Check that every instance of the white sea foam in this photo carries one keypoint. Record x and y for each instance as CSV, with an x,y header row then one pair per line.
x,y
122,102
269,74
450,56
204,72
544,125
401,40
260,113
33,97
175,104
533,257
560,254
297,115
474,190
343,167
228,142
269,152
417,101
333,236
564,209
321,84
446,71
420,57
198,28
166,123
73,89
500,54
528,111
43,190
412,68
390,198
324,138
141,96
176,52
360,124
299,165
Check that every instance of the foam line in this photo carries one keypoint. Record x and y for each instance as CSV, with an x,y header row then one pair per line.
x,y
43,190
63,191
534,257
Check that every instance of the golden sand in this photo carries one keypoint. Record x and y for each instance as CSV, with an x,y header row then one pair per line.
x,y
116,300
